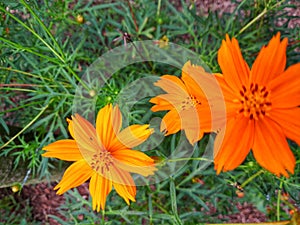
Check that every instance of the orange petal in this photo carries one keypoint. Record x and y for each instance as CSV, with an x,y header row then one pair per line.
x,y
231,106
132,136
134,161
171,123
75,175
228,93
201,84
189,66
271,149
71,128
124,184
171,84
108,124
191,124
189,72
162,102
99,188
167,102
289,121
285,89
233,143
270,61
63,149
85,135
234,68
176,93
212,118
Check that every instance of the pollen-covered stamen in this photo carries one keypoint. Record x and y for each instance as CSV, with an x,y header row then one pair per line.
x,y
255,101
102,161
189,102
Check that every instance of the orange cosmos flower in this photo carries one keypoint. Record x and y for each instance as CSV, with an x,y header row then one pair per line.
x,y
187,99
262,108
103,154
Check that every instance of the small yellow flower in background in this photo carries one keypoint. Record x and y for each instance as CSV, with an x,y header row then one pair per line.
x,y
80,18
104,155
15,188
187,103
262,108
163,42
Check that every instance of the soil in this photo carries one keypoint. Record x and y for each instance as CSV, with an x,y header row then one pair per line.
x,y
43,201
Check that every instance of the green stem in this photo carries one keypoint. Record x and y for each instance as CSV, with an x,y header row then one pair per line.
x,y
133,16
187,159
258,17
30,50
286,222
38,76
251,178
160,207
34,33
77,77
61,58
177,219
158,7
254,20
103,217
43,26
22,106
27,126
22,72
18,89
278,201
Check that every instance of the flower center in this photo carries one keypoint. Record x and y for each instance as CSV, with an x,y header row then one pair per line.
x,y
255,101
189,102
102,161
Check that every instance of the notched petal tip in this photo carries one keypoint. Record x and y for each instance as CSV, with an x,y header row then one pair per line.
x,y
58,189
218,168
164,131
227,38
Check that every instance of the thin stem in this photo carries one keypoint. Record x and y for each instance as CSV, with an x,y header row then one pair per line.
x,y
103,217
286,222
43,26
187,159
158,7
251,178
278,200
22,72
177,219
61,58
133,17
258,17
19,89
19,85
23,48
254,20
22,106
148,62
27,126
77,77
160,207
35,34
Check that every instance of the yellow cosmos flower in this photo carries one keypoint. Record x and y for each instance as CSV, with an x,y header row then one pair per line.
x,y
186,102
262,108
163,42
104,155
